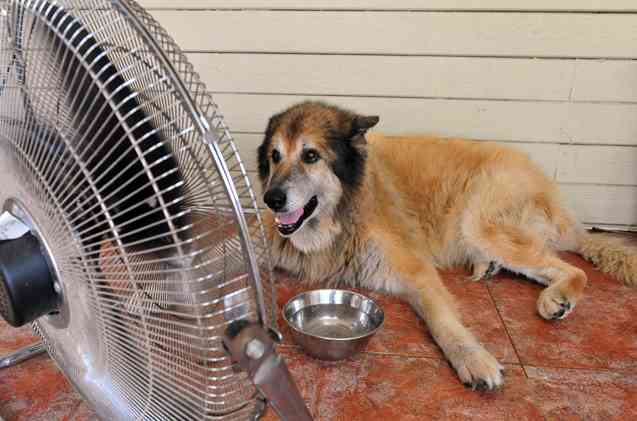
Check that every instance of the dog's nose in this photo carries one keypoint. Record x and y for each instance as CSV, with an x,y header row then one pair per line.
x,y
275,199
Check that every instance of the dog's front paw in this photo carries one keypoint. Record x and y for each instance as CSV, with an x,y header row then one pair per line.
x,y
478,369
553,305
485,270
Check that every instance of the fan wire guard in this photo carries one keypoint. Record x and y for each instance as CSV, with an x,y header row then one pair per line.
x,y
157,254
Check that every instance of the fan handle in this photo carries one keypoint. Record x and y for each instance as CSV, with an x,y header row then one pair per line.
x,y
254,350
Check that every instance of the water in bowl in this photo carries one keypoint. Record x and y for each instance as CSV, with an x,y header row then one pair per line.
x,y
335,321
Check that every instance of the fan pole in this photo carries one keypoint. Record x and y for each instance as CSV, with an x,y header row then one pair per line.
x,y
254,350
22,354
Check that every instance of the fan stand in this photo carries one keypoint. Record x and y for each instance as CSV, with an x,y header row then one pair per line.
x,y
253,349
22,354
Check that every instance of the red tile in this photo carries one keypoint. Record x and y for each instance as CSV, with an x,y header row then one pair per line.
x,y
576,394
376,387
404,333
36,390
600,333
387,387
83,412
12,338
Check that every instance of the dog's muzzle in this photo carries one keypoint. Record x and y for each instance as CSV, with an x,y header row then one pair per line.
x,y
290,222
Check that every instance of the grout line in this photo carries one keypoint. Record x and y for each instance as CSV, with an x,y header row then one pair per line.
x,y
506,141
400,355
517,354
425,357
423,10
407,55
575,183
320,382
389,54
564,101
604,369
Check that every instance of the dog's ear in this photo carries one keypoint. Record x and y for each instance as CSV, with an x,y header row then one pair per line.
x,y
262,153
361,123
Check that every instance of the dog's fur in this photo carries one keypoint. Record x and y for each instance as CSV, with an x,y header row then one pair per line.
x,y
393,209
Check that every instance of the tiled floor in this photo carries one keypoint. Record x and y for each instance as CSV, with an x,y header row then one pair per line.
x,y
580,368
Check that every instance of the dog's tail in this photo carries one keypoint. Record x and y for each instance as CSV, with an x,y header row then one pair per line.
x,y
611,253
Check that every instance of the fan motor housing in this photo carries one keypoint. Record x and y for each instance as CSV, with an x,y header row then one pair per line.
x,y
27,289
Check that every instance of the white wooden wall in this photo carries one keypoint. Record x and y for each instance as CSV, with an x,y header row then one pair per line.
x,y
556,78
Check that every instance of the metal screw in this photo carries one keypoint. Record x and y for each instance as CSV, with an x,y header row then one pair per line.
x,y
255,349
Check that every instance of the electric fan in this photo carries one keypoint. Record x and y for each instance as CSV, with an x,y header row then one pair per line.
x,y
139,254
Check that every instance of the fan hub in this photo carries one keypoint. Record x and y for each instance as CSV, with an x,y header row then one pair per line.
x,y
29,287
26,282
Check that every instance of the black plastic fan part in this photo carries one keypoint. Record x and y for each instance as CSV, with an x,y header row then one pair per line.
x,y
26,283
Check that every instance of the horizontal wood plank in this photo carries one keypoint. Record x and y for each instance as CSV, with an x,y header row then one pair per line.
x,y
425,77
432,33
600,205
614,124
481,5
477,119
441,77
247,144
491,120
597,164
605,80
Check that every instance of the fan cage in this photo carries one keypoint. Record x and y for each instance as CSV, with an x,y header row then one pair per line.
x,y
147,303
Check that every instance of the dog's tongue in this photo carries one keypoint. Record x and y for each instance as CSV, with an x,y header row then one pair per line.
x,y
290,217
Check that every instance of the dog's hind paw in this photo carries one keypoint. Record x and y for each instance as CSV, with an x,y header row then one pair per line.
x,y
479,370
485,270
553,305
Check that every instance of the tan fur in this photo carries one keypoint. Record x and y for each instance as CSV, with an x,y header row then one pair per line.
x,y
427,203
611,254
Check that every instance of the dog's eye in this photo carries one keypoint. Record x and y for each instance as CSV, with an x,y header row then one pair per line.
x,y
276,156
310,156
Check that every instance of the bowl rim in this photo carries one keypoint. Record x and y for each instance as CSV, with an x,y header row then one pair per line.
x,y
352,338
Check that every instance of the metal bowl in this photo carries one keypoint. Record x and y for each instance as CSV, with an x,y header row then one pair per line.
x,y
332,324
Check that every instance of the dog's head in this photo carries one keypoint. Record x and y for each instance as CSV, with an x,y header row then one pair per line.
x,y
312,156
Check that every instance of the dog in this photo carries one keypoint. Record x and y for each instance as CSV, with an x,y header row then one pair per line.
x,y
384,213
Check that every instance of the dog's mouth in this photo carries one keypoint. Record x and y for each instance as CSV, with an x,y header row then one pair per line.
x,y
290,222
